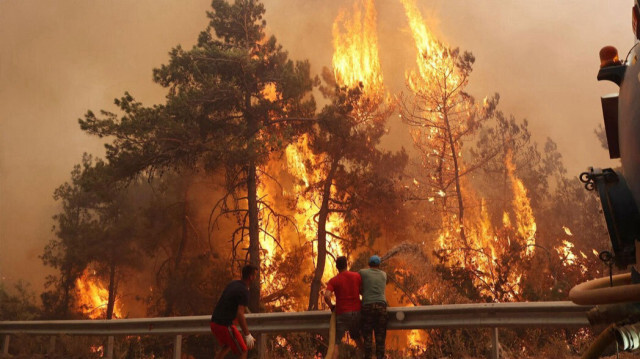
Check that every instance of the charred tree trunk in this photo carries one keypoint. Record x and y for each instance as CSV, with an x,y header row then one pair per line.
x,y
254,235
168,310
71,271
252,204
316,283
112,290
505,174
456,174
67,284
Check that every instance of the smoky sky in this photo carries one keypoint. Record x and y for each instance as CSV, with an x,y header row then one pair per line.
x,y
59,58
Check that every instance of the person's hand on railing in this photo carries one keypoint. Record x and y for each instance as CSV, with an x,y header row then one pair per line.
x,y
250,341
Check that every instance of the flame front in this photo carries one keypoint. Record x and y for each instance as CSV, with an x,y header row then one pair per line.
x,y
355,41
308,202
306,170
522,207
468,238
433,61
487,242
93,297
355,65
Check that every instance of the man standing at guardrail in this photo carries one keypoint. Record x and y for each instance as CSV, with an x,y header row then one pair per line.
x,y
232,306
374,308
346,287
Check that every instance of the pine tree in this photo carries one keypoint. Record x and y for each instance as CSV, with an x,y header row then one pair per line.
x,y
355,173
234,98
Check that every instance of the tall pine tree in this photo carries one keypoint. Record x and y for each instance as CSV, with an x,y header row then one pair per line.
x,y
233,99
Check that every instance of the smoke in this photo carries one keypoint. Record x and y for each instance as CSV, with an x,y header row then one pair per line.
x,y
61,57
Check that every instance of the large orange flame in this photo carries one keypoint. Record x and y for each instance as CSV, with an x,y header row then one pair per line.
x,y
488,242
483,243
355,64
432,60
304,167
93,297
355,41
525,221
308,202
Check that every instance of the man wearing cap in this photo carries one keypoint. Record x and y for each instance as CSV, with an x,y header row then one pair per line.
x,y
374,307
346,287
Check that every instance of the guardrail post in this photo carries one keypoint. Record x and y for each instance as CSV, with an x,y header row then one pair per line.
x,y
52,345
110,347
5,347
495,344
262,346
177,347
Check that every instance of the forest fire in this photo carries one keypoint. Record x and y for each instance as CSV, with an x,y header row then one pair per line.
x,y
286,234
468,238
475,242
92,297
486,243
460,217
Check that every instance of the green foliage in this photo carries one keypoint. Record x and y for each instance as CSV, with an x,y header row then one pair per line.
x,y
218,112
70,252
99,225
18,304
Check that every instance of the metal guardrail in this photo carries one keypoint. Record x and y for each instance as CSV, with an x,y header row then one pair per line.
x,y
488,315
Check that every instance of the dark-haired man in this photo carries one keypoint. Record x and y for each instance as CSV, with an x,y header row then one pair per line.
x,y
232,306
346,287
374,308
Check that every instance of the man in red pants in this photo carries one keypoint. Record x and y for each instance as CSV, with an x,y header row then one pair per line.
x,y
232,306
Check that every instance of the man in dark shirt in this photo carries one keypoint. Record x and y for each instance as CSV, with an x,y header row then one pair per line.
x,y
346,287
232,306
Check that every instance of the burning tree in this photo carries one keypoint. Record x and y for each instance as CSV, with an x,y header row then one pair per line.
x,y
442,115
97,229
353,175
67,252
350,169
232,101
486,242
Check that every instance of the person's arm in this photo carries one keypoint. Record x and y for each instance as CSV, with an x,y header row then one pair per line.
x,y
242,320
248,338
327,298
